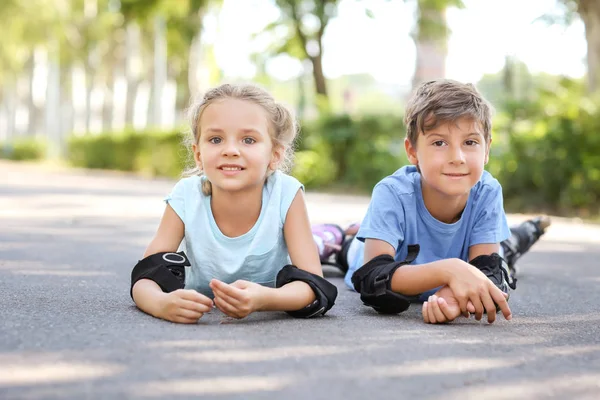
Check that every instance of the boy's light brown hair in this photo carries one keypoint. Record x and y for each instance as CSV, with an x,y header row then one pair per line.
x,y
441,101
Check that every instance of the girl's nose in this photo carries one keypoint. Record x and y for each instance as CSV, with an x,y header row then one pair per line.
x,y
231,149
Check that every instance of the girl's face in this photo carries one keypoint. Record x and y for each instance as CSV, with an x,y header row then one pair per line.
x,y
235,149
451,158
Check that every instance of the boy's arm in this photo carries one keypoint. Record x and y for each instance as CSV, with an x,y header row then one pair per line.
x,y
466,281
483,249
411,279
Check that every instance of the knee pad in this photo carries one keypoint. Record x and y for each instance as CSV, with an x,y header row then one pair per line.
x,y
166,269
325,291
373,282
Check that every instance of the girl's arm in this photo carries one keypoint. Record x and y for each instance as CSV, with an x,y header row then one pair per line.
x,y
185,306
304,255
146,293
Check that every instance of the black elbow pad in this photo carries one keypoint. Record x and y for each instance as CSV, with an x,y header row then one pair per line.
x,y
373,282
166,269
325,291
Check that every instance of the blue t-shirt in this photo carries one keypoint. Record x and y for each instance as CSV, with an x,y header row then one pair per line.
x,y
398,216
256,256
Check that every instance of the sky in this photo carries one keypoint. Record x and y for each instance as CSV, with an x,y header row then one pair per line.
x,y
483,34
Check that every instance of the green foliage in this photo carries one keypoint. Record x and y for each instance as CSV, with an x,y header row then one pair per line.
x,y
363,149
314,168
23,150
550,155
544,153
152,153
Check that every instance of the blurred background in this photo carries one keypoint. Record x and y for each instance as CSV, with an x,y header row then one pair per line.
x,y
105,83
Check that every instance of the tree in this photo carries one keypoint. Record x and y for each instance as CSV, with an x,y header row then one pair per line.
x,y
589,12
300,27
183,28
431,39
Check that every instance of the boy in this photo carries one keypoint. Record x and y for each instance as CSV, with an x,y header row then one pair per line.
x,y
433,230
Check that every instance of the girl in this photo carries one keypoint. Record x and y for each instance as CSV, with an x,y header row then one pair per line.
x,y
240,218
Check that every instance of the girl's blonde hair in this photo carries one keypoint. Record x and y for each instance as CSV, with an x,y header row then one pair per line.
x,y
283,127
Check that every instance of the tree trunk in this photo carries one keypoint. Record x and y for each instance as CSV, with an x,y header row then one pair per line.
x,y
36,116
431,47
132,51
89,87
589,10
68,109
319,77
10,106
53,110
160,71
107,102
430,63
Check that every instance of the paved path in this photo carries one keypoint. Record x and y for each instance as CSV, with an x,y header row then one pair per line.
x,y
68,329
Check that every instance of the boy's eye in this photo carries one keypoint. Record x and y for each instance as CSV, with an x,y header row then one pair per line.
x,y
438,143
249,140
471,143
215,140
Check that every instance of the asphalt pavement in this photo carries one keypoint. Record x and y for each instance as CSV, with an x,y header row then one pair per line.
x,y
69,330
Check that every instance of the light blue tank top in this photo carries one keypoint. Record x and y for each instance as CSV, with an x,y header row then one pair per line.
x,y
256,256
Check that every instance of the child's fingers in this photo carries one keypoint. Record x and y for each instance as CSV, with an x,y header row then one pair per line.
x,y
223,296
499,298
490,307
425,313
446,309
478,306
470,307
430,312
192,295
226,289
226,308
439,315
194,306
189,314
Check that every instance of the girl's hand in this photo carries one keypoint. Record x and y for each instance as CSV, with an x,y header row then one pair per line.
x,y
239,299
184,306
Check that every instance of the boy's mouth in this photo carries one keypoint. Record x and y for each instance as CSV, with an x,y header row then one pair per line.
x,y
454,175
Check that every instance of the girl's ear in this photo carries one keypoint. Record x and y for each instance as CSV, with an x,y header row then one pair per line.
x,y
411,152
276,157
197,158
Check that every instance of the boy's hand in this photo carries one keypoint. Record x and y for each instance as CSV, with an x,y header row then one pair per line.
x,y
470,284
184,306
443,307
238,299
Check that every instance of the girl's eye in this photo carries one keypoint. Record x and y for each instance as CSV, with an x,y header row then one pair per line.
x,y
215,140
249,140
438,143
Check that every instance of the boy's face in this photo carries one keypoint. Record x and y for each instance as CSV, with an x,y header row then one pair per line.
x,y
450,157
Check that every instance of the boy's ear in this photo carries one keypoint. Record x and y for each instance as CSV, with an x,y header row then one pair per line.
x,y
487,151
411,152
197,158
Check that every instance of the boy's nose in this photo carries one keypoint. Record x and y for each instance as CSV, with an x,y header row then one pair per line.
x,y
457,156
